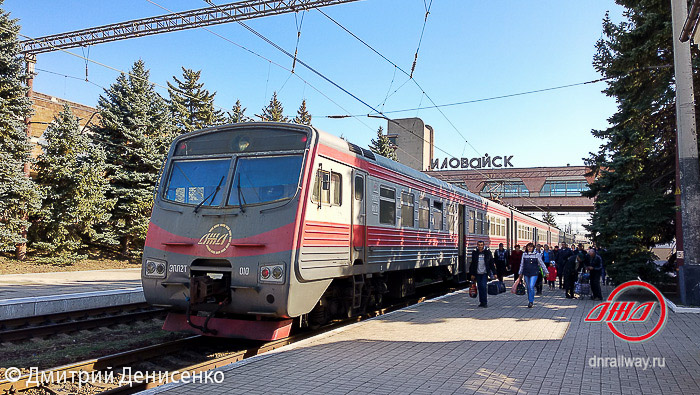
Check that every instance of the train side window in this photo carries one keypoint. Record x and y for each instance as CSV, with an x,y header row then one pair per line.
x,y
451,218
336,188
424,213
387,206
472,222
407,214
359,188
437,215
334,191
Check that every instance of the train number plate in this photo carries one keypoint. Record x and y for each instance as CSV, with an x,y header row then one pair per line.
x,y
177,268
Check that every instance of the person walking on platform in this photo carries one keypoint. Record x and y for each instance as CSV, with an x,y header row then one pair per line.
x,y
571,268
547,257
500,256
514,261
530,266
479,268
595,266
564,254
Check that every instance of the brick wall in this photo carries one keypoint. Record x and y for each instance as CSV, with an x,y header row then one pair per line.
x,y
46,108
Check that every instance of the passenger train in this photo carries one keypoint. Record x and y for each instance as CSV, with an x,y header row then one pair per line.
x,y
256,226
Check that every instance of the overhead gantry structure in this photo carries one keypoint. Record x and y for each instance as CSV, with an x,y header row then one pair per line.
x,y
215,15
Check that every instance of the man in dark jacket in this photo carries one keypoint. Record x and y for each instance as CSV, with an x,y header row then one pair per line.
x,y
564,254
571,268
479,268
595,267
500,257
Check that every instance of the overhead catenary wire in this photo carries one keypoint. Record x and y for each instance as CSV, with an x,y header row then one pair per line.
x,y
270,62
420,41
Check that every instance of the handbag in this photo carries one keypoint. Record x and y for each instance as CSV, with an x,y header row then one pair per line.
x,y
514,288
520,290
473,291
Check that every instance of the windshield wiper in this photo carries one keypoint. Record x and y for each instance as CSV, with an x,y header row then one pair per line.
x,y
240,195
212,195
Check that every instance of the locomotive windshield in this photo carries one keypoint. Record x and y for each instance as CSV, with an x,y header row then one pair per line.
x,y
242,140
201,164
265,179
197,181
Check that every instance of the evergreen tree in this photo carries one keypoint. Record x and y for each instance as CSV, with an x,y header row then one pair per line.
x,y
548,218
19,195
237,113
274,112
635,167
136,130
191,105
70,173
383,146
303,117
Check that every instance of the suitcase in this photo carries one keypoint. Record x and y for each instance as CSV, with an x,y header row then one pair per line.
x,y
582,288
492,287
501,287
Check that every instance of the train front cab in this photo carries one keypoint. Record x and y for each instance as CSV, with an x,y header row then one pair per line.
x,y
220,243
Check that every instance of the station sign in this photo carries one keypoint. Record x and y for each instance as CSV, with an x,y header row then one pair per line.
x,y
475,163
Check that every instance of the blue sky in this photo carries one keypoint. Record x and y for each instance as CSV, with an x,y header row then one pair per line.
x,y
470,50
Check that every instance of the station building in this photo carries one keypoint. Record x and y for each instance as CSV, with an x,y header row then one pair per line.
x,y
533,190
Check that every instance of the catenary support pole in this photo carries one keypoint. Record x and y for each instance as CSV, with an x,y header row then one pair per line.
x,y
689,168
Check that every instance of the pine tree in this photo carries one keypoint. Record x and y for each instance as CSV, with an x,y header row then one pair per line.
x,y
192,106
382,145
303,117
634,207
274,112
19,196
70,173
237,113
548,218
136,130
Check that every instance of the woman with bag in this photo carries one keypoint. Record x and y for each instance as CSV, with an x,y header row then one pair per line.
x,y
530,269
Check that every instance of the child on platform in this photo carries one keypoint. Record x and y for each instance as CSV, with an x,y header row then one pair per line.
x,y
551,276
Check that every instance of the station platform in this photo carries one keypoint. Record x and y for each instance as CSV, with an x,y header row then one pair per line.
x,y
33,294
451,346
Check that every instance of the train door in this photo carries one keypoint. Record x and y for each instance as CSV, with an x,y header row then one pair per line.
x,y
515,233
509,235
359,217
462,259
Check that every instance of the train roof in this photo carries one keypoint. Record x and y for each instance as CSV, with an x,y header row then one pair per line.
x,y
347,147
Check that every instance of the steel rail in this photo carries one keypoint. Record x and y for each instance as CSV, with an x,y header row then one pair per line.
x,y
128,357
53,328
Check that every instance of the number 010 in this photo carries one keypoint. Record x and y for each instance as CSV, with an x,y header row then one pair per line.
x,y
244,271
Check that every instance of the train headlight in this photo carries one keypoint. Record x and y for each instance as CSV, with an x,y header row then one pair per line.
x,y
272,273
154,268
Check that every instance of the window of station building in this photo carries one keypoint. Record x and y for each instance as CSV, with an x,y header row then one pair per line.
x,y
424,213
564,188
504,189
437,215
407,215
387,206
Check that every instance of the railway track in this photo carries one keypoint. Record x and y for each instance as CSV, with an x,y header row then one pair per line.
x,y
31,327
247,349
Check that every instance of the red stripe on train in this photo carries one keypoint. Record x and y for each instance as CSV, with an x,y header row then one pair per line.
x,y
275,240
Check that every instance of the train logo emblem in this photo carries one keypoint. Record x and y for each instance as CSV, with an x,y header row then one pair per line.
x,y
217,239
612,311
